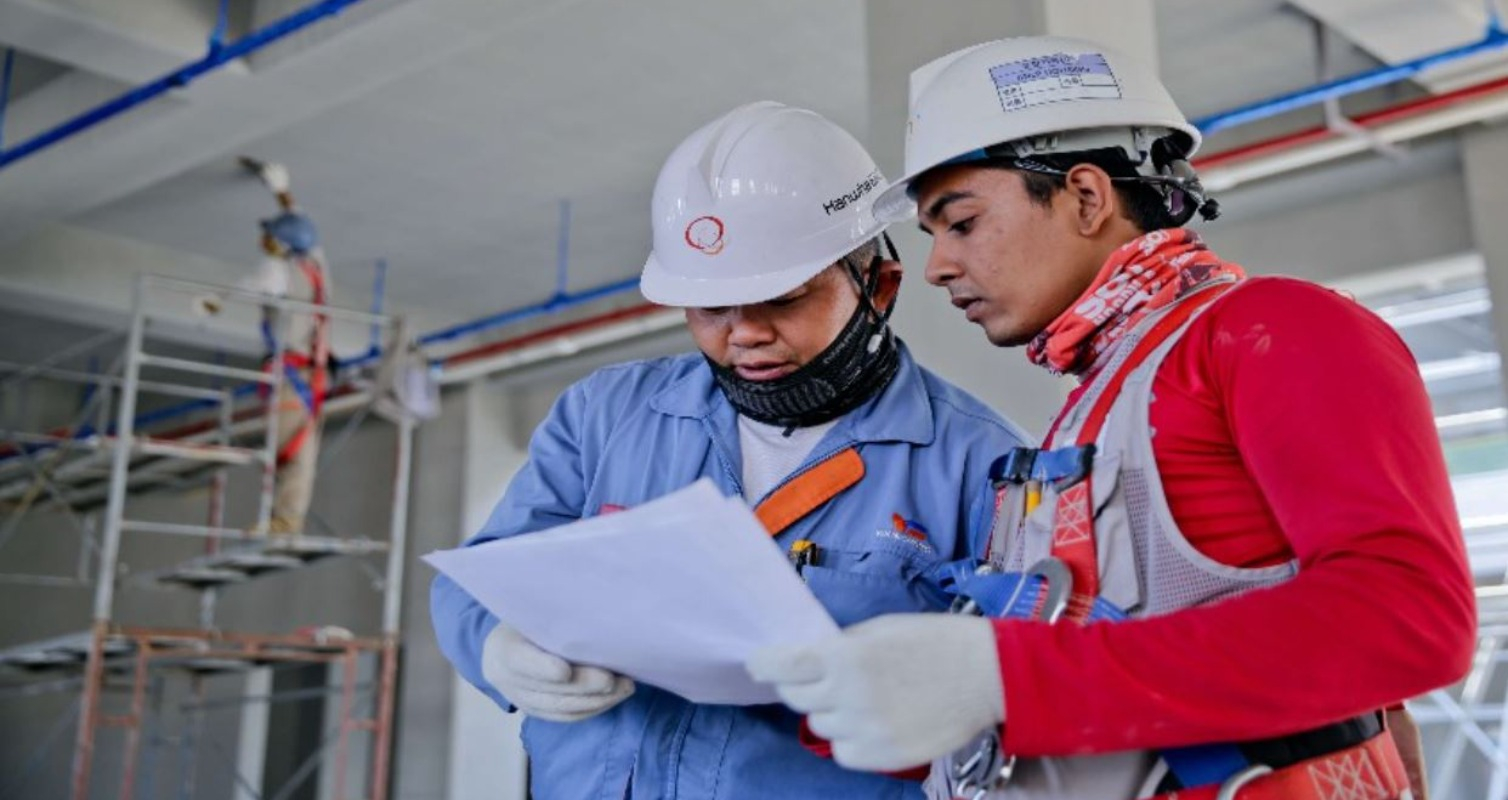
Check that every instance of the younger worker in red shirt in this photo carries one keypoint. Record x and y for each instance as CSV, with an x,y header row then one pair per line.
x,y
1241,522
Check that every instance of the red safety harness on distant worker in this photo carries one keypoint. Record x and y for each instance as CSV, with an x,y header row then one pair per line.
x,y
312,394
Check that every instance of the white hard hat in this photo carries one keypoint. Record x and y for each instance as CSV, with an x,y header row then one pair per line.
x,y
754,204
1041,94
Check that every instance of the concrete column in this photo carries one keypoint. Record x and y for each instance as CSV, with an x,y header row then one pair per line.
x,y
421,748
1129,26
1484,159
487,759
251,749
905,35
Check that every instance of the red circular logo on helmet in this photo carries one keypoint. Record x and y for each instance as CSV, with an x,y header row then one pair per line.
x,y
706,235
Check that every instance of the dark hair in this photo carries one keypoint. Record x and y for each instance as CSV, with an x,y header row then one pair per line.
x,y
862,256
1141,203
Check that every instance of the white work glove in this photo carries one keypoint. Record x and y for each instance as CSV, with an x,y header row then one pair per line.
x,y
545,685
276,177
895,692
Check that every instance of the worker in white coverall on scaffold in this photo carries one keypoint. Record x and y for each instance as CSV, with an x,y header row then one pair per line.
x,y
296,342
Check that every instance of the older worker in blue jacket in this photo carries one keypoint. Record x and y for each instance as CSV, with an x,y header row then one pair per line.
x,y
869,469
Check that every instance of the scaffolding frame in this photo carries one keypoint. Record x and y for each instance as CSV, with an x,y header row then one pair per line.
x,y
110,649
1474,713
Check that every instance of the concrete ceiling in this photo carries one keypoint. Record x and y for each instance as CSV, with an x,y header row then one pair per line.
x,y
455,173
444,136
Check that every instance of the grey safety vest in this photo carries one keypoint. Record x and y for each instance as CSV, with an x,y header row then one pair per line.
x,y
1146,565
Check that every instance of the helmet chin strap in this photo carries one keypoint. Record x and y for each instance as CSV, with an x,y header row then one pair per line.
x,y
867,289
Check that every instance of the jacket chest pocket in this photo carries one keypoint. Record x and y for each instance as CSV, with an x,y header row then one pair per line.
x,y
855,585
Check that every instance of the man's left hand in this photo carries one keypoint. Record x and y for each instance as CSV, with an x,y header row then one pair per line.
x,y
894,692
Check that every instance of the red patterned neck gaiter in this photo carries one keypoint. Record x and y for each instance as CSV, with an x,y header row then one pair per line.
x,y
1141,276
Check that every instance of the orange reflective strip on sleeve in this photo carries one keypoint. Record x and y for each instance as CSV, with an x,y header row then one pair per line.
x,y
809,490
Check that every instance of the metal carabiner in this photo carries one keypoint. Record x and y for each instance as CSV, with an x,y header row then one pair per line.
x,y
1234,783
987,767
965,771
1059,582
980,763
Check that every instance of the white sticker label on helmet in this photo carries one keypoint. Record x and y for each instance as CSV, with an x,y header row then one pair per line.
x,y
1054,79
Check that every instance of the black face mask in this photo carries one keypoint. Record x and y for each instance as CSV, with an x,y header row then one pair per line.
x,y
858,365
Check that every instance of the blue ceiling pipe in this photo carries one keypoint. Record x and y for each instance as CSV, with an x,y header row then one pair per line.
x,y
5,76
559,302
216,58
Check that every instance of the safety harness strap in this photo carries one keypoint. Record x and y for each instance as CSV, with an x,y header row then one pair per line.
x,y
313,392
809,491
1373,769
1073,522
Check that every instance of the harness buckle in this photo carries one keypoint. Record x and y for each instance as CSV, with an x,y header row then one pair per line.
x,y
1072,466
1014,467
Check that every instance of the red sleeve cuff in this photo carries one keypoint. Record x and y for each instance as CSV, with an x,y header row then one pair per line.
x,y
822,748
818,746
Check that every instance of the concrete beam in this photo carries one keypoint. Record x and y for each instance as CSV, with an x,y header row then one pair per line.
x,y
131,41
1403,30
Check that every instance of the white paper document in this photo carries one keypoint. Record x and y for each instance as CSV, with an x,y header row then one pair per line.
x,y
677,593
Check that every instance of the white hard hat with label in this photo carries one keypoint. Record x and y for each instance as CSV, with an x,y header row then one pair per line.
x,y
1039,95
756,203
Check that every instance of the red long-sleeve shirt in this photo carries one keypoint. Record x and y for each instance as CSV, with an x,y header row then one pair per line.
x,y
1290,422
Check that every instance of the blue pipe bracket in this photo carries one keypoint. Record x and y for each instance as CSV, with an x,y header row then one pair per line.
x,y
379,292
222,25
216,58
5,79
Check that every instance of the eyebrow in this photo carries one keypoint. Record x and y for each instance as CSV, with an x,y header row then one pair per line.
x,y
935,210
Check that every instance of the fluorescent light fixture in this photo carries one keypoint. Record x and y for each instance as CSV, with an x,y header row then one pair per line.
x,y
1498,414
1460,366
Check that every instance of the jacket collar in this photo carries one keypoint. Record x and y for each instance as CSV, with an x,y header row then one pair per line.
x,y
901,413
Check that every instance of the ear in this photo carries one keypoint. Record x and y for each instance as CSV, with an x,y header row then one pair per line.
x,y
889,283
1096,201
